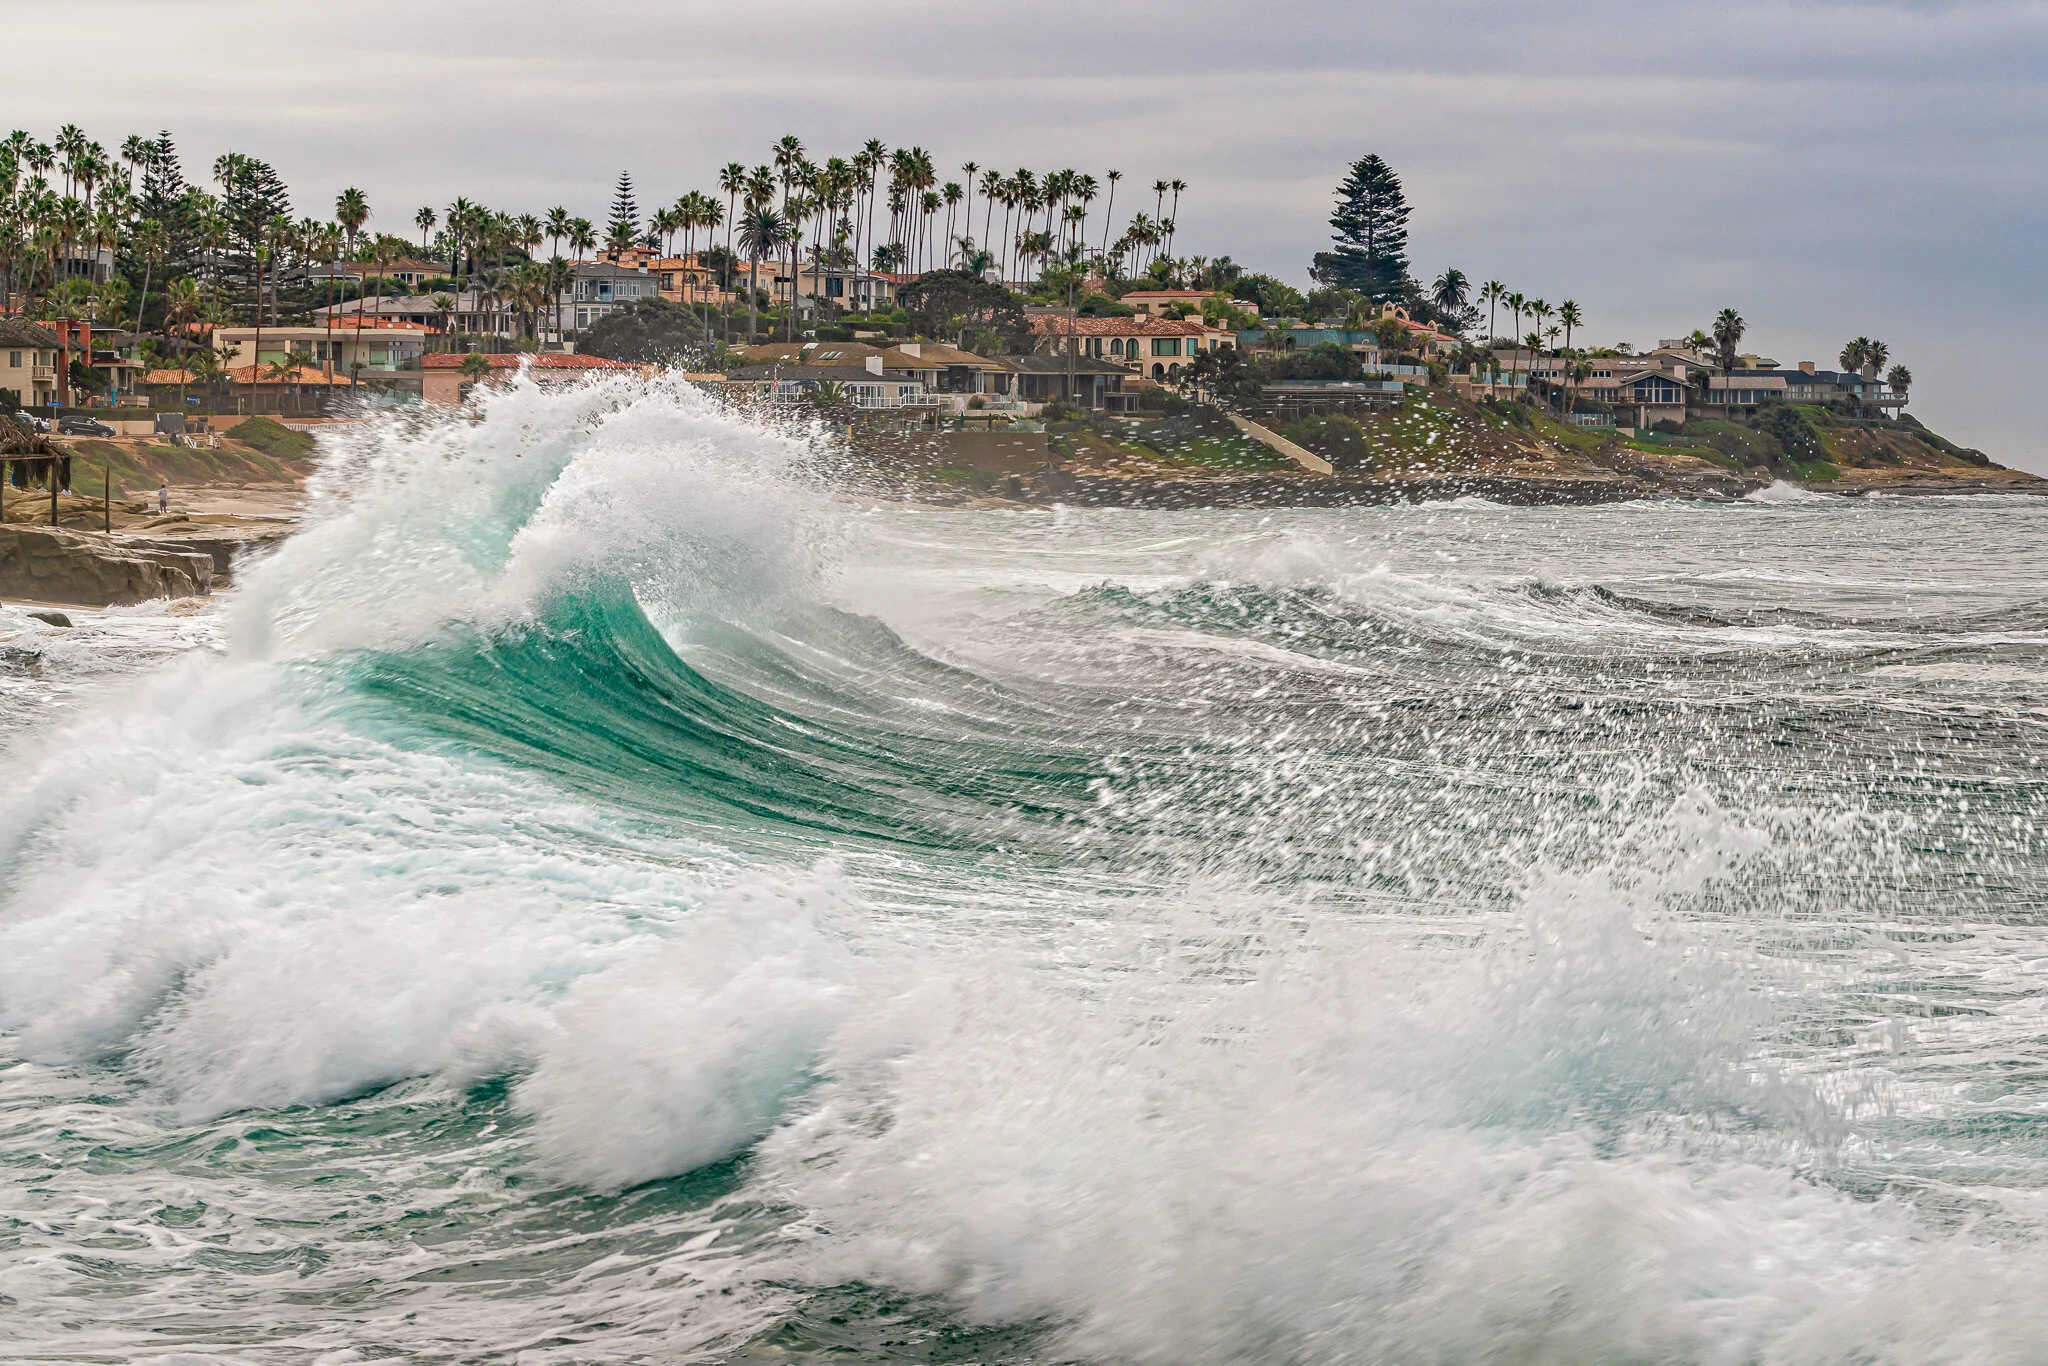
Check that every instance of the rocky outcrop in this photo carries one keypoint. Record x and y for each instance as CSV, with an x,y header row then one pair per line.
x,y
54,565
223,544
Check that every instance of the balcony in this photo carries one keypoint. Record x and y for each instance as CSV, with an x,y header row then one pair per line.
x,y
44,374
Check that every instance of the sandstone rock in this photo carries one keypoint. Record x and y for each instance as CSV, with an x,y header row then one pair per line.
x,y
69,566
225,544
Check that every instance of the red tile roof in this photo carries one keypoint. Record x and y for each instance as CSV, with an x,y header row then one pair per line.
x,y
539,360
1141,326
365,322
245,374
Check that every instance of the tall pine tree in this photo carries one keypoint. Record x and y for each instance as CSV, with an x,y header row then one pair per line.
x,y
624,225
1371,220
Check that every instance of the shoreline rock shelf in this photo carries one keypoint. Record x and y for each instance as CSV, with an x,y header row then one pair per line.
x,y
51,564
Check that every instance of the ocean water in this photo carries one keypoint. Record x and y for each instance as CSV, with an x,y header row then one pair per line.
x,y
600,895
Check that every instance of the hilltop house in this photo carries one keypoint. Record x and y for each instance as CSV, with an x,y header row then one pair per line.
x,y
405,269
1159,348
1156,303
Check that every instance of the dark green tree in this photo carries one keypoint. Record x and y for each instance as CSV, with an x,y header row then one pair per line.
x,y
1275,298
1371,220
958,304
647,332
163,194
623,227
252,194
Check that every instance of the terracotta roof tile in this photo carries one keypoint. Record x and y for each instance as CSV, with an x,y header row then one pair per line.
x,y
1120,327
540,360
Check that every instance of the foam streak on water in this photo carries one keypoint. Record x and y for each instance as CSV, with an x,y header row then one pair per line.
x,y
599,895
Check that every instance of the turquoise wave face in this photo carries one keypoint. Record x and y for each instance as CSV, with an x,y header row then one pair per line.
x,y
592,694
605,894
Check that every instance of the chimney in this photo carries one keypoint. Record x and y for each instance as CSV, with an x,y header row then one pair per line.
x,y
1806,367
874,364
914,350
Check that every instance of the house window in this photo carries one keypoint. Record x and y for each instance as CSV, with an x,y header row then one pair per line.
x,y
582,318
834,287
1166,346
14,360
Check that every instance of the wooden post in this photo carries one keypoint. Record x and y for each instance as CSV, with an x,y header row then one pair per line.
x,y
53,490
107,497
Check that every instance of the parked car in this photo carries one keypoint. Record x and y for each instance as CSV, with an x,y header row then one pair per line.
x,y
31,421
78,425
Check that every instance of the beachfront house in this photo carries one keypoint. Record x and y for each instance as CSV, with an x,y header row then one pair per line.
x,y
865,386
364,349
600,287
445,385
1085,381
28,361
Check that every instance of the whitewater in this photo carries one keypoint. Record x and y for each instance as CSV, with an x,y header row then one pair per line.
x,y
604,893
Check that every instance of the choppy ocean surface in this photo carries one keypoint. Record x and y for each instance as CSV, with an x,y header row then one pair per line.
x,y
597,896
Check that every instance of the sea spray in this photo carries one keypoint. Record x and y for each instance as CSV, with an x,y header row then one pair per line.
x,y
616,897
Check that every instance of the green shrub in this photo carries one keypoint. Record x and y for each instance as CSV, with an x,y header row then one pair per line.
x,y
1162,401
1666,427
1336,438
273,438
1789,428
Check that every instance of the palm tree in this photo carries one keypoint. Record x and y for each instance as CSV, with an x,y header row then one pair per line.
x,y
1515,305
182,302
760,234
1448,293
461,218
1109,208
560,278
1568,314
1900,379
1579,372
443,306
1728,330
1875,354
1493,291
970,169
1540,312
151,242
352,210
424,221
582,236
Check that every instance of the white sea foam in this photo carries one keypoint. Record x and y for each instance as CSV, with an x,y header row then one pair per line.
x,y
1214,1120
1784,491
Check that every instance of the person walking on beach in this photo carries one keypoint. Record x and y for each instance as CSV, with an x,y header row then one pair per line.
x,y
163,498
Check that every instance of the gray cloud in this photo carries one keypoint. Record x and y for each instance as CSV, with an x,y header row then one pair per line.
x,y
1829,167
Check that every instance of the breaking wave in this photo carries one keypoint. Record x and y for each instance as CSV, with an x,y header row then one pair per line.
x,y
610,895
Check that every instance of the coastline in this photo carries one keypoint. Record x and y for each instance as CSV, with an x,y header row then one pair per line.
x,y
1285,490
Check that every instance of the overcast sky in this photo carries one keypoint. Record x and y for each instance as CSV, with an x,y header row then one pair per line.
x,y
1827,167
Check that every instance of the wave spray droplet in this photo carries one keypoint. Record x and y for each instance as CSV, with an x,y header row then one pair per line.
x,y
611,894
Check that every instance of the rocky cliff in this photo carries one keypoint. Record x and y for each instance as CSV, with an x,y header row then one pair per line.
x,y
50,564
